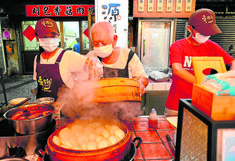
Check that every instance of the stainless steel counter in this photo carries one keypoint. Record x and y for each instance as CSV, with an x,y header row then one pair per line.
x,y
155,97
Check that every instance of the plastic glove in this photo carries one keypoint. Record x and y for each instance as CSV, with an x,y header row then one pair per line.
x,y
142,87
220,83
228,92
95,67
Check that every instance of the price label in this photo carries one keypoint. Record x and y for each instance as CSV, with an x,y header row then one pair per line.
x,y
178,6
140,5
150,5
188,6
169,5
159,5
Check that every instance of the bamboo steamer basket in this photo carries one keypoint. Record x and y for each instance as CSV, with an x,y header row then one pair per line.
x,y
115,152
116,89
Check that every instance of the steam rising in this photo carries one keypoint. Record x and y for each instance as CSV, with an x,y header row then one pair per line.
x,y
78,103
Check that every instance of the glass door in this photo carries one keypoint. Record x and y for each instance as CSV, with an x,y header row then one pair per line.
x,y
155,37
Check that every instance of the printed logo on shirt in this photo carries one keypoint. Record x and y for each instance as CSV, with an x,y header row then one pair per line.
x,y
45,83
187,63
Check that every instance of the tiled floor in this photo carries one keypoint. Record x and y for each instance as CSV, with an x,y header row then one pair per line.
x,y
154,146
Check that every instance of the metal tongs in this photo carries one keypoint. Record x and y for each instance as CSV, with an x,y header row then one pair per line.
x,y
171,143
4,109
20,103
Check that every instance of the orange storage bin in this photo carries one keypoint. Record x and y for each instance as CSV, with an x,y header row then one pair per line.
x,y
217,107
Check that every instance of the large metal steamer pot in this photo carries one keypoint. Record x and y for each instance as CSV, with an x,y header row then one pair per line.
x,y
30,126
28,143
116,152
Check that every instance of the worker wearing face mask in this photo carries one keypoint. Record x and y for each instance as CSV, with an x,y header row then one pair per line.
x,y
55,67
116,61
201,25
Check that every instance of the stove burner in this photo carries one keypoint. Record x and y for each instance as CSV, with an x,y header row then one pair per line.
x,y
19,146
17,152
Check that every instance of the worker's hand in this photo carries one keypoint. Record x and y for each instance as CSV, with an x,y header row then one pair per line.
x,y
142,87
143,82
95,67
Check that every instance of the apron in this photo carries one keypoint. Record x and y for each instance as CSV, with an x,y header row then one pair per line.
x,y
48,78
114,72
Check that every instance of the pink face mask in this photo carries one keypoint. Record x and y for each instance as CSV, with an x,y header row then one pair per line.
x,y
201,38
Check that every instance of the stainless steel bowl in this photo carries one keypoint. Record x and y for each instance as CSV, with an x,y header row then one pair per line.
x,y
30,126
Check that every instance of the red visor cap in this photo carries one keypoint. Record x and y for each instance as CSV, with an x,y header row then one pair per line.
x,y
45,26
203,20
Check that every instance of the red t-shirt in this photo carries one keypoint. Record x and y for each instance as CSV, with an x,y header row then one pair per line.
x,y
181,52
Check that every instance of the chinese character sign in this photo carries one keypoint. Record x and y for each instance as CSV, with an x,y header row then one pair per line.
x,y
115,12
58,10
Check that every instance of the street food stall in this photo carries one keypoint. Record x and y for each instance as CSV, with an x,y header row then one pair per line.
x,y
101,120
110,114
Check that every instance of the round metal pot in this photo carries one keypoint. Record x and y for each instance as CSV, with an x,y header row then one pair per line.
x,y
116,152
24,143
30,126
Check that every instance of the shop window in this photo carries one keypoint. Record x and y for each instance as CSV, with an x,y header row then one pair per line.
x,y
85,35
71,32
30,43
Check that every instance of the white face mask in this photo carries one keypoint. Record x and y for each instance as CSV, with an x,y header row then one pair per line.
x,y
49,44
103,51
201,38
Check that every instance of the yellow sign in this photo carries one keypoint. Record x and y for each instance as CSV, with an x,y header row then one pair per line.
x,y
188,6
178,6
140,5
150,5
159,5
169,5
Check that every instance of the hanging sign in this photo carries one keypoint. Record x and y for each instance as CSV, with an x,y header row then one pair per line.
x,y
150,5
178,6
59,10
189,5
140,5
115,12
163,8
169,6
159,5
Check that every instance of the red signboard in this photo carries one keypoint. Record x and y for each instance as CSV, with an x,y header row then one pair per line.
x,y
59,10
